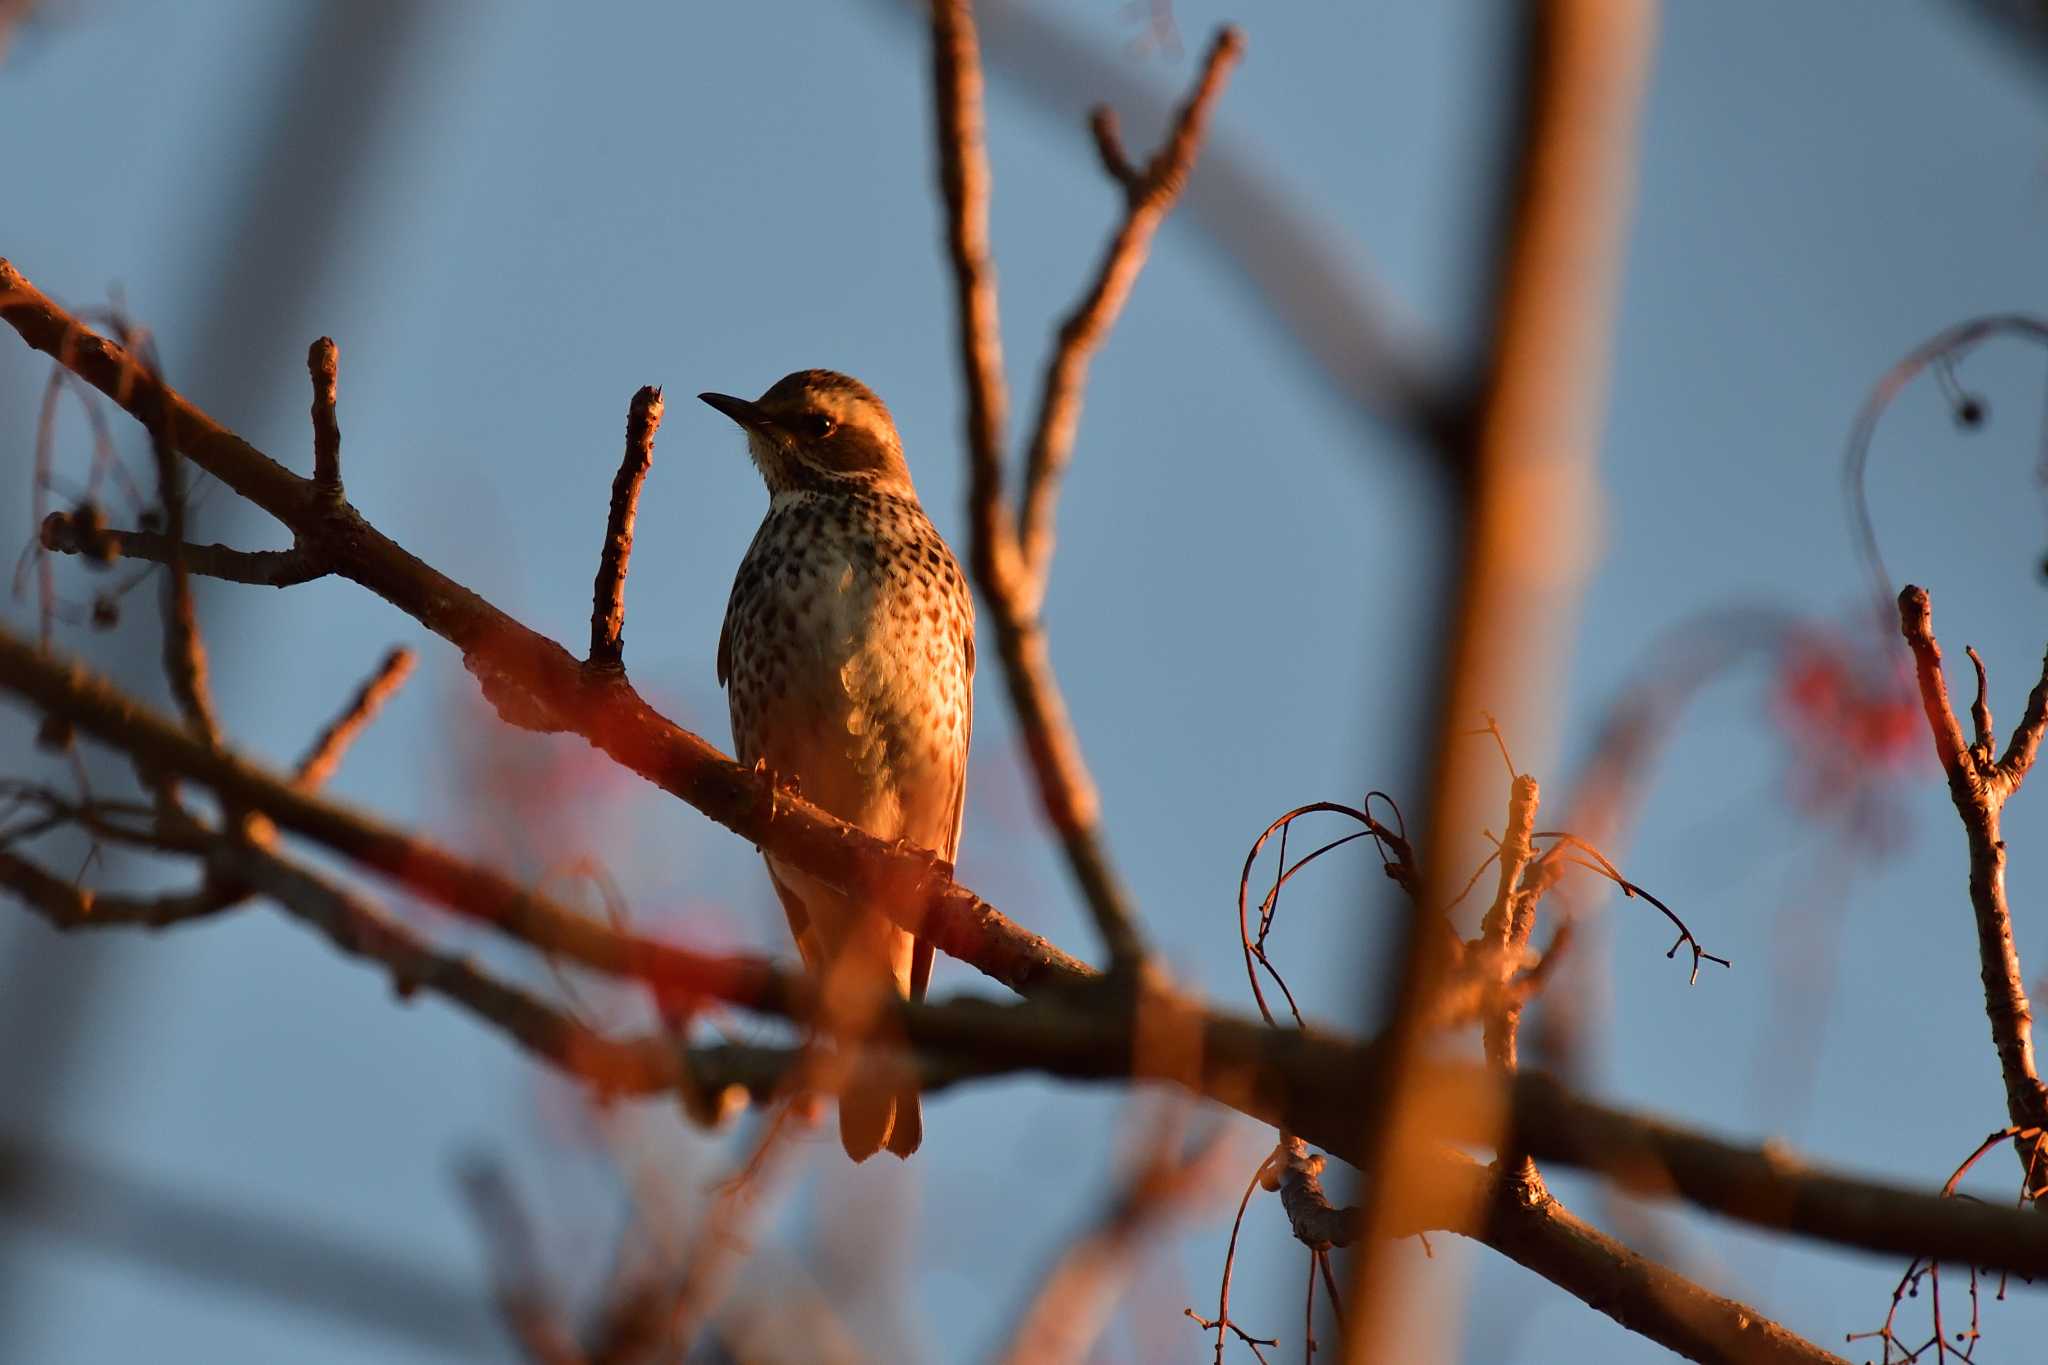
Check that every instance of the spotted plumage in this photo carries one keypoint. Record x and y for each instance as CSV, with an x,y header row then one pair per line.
x,y
848,659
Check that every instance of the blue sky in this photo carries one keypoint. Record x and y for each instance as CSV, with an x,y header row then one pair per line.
x,y
524,212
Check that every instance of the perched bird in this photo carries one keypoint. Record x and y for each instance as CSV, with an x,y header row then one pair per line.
x,y
848,662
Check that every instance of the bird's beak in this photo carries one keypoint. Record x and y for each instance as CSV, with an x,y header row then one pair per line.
x,y
748,415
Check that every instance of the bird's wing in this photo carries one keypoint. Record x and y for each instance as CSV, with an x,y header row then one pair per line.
x,y
921,956
725,648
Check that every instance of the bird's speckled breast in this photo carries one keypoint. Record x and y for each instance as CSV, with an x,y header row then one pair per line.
x,y
849,657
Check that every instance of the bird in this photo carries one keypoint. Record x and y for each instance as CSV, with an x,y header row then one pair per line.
x,y
847,656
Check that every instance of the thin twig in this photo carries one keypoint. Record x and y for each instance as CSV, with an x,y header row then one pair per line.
x,y
1065,790
1150,195
1222,1322
66,533
608,599
1083,1286
536,1320
323,363
184,649
1939,352
1504,930
324,755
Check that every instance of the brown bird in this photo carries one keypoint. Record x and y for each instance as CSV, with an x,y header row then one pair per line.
x,y
848,660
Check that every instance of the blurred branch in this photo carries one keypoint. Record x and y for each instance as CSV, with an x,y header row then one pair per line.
x,y
1075,1299
1325,1089
324,755
169,1225
323,364
66,534
528,1307
1529,472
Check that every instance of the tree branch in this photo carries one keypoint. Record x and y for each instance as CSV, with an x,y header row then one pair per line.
x,y
535,684
1149,195
324,755
65,534
1978,784
608,598
323,363
1532,447
1011,558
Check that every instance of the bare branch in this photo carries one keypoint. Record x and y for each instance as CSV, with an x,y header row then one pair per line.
x,y
608,604
1083,1287
324,755
184,648
64,904
1532,447
530,1310
1505,930
1916,624
323,363
67,534
1150,195
964,178
1010,560
1978,785
2026,736
535,683
98,709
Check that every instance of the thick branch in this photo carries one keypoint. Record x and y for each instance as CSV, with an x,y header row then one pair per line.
x,y
1979,786
1532,453
98,709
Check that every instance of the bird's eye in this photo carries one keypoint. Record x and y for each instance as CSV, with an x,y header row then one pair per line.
x,y
817,425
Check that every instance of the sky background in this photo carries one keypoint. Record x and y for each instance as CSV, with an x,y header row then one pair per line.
x,y
511,215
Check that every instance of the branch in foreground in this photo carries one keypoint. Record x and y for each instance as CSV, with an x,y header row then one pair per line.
x,y
1532,450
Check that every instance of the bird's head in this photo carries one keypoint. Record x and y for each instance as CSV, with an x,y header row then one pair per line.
x,y
818,430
